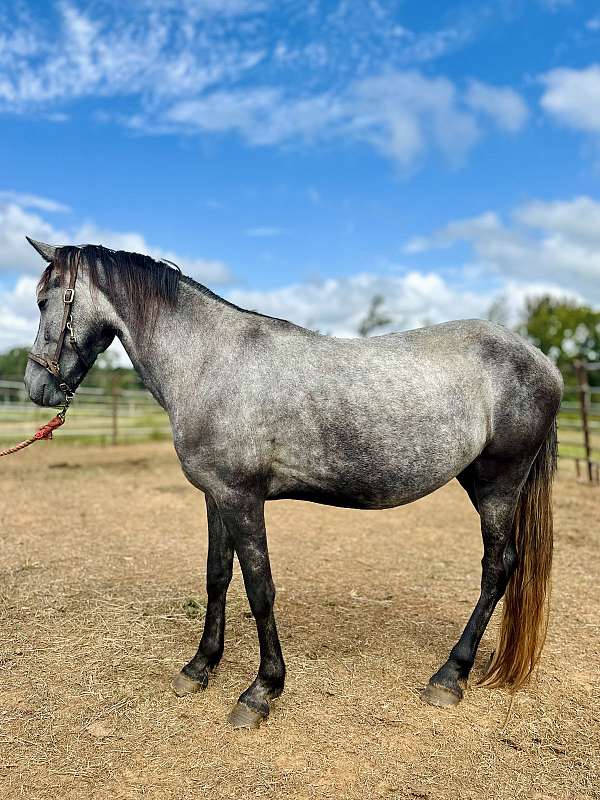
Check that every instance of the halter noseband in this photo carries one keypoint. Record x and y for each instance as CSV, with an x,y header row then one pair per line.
x,y
52,364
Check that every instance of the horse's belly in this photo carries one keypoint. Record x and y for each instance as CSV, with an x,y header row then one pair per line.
x,y
364,483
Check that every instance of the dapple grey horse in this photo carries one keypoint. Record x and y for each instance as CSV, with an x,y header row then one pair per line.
x,y
262,409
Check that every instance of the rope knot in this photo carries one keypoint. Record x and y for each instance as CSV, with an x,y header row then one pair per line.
x,y
45,432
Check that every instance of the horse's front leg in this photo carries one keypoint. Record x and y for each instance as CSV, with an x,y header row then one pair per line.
x,y
244,519
194,676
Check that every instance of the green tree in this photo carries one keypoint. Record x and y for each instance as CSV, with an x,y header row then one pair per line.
x,y
564,330
13,363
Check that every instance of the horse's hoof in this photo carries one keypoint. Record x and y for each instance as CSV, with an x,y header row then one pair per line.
x,y
440,696
243,716
182,685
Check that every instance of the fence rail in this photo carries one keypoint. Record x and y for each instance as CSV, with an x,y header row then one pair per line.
x,y
589,413
96,415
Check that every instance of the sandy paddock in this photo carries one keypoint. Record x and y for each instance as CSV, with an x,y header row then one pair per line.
x,y
101,589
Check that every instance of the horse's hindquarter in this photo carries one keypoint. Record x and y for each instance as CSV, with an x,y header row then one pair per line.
x,y
378,422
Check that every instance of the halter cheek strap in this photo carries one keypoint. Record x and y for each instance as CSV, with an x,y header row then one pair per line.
x,y
53,364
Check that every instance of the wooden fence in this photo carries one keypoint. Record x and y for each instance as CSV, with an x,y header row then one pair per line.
x,y
579,423
96,416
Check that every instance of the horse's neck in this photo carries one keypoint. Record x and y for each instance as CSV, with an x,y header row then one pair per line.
x,y
184,338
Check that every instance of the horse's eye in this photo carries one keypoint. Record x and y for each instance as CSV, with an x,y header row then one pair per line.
x,y
42,304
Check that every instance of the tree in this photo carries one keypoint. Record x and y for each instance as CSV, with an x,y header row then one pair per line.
x,y
499,310
13,363
564,330
374,318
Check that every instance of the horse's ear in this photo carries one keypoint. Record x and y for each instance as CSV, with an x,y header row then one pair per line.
x,y
47,251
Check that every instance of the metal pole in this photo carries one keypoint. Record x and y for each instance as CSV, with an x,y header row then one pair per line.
x,y
584,400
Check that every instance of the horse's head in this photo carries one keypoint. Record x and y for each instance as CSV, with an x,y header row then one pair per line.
x,y
72,332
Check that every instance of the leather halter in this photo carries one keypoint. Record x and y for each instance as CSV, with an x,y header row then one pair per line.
x,y
53,364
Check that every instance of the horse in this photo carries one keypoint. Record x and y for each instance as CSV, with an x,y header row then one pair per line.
x,y
262,409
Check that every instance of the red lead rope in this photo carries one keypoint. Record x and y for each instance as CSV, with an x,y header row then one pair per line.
x,y
45,432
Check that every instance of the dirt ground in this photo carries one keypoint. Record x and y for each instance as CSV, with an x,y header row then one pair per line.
x,y
102,571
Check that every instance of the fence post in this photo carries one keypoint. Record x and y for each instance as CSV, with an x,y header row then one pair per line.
x,y
115,406
584,401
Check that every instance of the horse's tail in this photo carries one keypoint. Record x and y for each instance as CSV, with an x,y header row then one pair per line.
x,y
526,601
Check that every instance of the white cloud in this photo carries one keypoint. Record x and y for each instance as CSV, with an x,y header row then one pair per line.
x,y
572,96
398,113
179,47
577,219
17,220
337,306
263,116
103,56
33,201
201,8
214,67
18,314
556,242
503,105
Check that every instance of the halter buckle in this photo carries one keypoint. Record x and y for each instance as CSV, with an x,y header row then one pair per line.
x,y
53,367
68,296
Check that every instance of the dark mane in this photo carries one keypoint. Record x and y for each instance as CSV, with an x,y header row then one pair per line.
x,y
149,285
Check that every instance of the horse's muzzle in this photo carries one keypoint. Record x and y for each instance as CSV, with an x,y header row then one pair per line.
x,y
42,387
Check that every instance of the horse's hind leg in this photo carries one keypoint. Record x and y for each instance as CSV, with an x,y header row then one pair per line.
x,y
494,490
194,676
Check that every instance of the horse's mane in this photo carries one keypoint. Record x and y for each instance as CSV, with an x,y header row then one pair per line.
x,y
149,284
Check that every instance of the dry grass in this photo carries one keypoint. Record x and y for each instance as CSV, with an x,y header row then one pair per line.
x,y
101,552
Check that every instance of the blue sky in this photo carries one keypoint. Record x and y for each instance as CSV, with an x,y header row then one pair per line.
x,y
301,157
